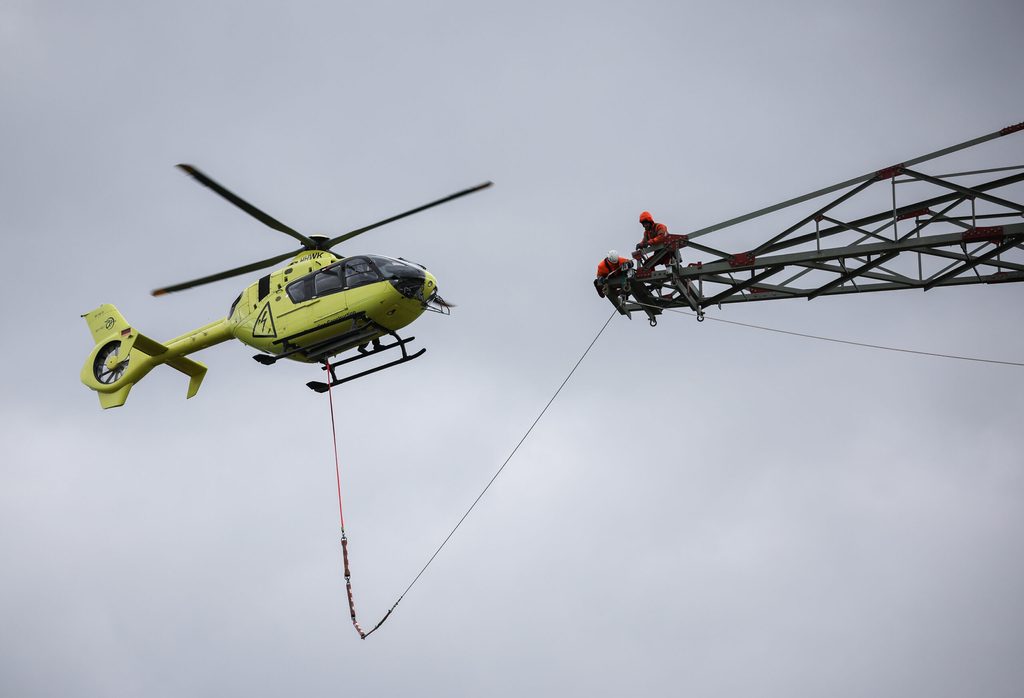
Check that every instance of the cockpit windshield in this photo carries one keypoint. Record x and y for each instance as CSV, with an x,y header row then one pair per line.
x,y
397,268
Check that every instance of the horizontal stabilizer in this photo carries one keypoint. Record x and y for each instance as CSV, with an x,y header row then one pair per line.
x,y
193,369
149,346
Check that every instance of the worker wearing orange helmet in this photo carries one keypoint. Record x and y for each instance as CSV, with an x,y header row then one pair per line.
x,y
654,233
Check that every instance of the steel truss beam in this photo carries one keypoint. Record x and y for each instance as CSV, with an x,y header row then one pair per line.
x,y
930,242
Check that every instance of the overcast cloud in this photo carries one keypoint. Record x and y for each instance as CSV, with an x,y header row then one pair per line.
x,y
706,510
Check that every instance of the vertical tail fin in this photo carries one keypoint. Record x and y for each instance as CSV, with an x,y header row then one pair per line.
x,y
105,321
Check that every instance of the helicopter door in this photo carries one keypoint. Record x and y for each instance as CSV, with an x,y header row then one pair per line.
x,y
355,272
327,286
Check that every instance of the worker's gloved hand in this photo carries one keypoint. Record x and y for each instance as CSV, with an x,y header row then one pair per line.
x,y
639,246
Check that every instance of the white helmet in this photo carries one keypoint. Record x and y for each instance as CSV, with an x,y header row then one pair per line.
x,y
613,256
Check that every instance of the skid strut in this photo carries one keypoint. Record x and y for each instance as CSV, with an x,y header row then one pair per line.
x,y
331,369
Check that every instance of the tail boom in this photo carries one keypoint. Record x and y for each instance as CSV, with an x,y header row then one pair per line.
x,y
123,356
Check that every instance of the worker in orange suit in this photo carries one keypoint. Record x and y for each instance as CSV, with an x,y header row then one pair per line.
x,y
654,233
611,265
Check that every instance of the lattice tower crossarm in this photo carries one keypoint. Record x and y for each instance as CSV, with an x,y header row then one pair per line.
x,y
963,232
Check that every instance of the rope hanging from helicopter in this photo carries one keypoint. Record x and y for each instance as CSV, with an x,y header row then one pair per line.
x,y
341,519
341,515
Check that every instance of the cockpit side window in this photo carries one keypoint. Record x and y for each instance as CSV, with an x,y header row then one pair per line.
x,y
359,272
352,273
300,290
327,281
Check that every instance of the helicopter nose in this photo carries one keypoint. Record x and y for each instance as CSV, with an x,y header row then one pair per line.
x,y
414,283
409,282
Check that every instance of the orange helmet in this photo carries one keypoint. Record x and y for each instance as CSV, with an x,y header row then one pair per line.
x,y
646,217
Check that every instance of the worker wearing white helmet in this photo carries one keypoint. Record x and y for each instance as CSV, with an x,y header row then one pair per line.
x,y
611,264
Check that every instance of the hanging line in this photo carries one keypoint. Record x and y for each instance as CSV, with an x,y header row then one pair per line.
x,y
344,540
341,516
840,341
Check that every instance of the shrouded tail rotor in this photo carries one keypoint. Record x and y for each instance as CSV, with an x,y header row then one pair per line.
x,y
109,365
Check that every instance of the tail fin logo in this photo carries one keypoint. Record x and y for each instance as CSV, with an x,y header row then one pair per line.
x,y
264,325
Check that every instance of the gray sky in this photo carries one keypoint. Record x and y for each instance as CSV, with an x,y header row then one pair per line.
x,y
706,510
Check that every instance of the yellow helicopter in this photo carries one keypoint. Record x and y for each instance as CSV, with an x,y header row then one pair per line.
x,y
319,305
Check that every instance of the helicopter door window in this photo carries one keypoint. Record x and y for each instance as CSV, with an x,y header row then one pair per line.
x,y
299,291
327,281
359,272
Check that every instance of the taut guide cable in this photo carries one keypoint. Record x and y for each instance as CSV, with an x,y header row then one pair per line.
x,y
837,341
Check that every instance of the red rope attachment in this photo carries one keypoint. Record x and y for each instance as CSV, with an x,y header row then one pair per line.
x,y
341,512
348,586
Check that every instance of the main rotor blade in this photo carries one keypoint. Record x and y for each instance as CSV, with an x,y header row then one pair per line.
x,y
358,231
247,207
227,274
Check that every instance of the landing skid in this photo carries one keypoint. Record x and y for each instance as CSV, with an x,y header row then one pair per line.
x,y
321,387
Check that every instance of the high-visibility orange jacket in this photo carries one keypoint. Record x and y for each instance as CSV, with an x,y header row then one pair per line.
x,y
605,267
655,235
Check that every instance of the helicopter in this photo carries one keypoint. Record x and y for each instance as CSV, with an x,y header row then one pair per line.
x,y
319,305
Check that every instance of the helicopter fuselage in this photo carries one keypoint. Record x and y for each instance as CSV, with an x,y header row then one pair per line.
x,y
329,305
319,306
